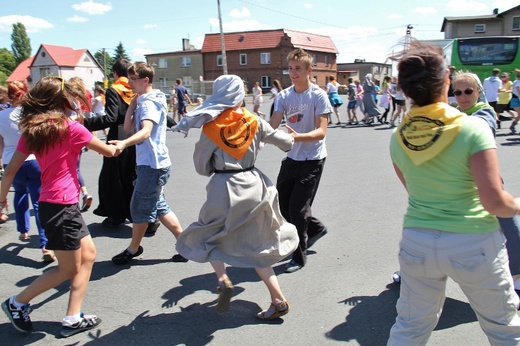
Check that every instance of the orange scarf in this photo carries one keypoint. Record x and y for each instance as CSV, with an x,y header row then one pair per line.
x,y
232,131
122,87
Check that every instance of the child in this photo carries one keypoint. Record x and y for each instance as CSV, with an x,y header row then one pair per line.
x,y
240,223
56,142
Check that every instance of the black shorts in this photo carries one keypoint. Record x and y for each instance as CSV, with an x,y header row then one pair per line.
x,y
63,224
501,108
400,102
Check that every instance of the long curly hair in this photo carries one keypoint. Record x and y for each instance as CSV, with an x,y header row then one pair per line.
x,y
45,112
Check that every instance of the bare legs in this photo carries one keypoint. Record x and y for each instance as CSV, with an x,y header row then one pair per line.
x,y
270,280
75,265
257,111
170,221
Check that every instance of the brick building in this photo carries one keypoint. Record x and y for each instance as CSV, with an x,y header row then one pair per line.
x,y
261,56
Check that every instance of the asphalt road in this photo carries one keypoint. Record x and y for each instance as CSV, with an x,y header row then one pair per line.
x,y
343,295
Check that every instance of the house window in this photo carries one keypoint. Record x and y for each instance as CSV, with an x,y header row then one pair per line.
x,y
187,81
219,60
163,63
480,27
163,81
45,71
266,82
185,61
265,58
314,59
516,23
326,60
243,59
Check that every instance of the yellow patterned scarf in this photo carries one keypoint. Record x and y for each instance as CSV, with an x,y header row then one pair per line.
x,y
426,131
232,131
123,89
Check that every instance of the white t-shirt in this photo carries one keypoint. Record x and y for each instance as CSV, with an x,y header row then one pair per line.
x,y
333,88
516,86
9,119
301,110
491,86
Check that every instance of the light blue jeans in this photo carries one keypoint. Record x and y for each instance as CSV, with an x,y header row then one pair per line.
x,y
478,263
148,202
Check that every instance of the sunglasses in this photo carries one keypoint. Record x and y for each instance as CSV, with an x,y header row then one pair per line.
x,y
468,91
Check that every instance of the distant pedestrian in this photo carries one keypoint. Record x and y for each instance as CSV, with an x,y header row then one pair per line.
x,y
492,85
369,104
182,96
335,100
258,99
277,87
351,107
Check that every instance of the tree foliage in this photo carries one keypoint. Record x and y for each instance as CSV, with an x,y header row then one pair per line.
x,y
21,44
7,62
120,52
105,60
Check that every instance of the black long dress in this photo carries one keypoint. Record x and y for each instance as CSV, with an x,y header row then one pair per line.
x,y
117,173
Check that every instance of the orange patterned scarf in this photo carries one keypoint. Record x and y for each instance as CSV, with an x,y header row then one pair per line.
x,y
122,87
232,131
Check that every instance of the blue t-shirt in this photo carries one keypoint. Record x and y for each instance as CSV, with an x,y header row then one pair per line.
x,y
153,151
181,92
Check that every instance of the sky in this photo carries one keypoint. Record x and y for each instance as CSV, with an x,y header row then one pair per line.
x,y
368,30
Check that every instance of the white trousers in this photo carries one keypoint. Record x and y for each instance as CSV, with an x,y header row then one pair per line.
x,y
477,262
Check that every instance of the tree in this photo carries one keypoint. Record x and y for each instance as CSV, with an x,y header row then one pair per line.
x,y
7,62
105,60
21,44
120,52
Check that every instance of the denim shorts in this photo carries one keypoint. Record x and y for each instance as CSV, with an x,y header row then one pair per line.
x,y
148,201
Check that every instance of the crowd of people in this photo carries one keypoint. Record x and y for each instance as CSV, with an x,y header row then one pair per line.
x,y
456,225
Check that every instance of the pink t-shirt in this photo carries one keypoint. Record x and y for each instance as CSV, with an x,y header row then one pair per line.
x,y
59,166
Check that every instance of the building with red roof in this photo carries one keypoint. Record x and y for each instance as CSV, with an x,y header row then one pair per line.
x,y
65,62
261,56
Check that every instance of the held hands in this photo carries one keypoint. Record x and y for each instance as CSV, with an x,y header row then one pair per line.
x,y
119,146
293,133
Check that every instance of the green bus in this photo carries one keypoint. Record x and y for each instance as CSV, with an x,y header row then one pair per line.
x,y
481,55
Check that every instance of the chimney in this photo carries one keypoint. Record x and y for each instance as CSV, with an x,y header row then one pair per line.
x,y
495,11
185,44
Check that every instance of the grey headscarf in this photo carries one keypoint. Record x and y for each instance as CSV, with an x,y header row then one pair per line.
x,y
228,91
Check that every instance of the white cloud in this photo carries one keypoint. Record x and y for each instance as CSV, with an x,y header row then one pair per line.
x,y
244,13
149,26
77,19
93,8
465,6
31,24
138,54
243,25
394,16
424,10
307,5
140,41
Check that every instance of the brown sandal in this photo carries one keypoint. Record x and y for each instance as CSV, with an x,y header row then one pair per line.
x,y
225,292
279,309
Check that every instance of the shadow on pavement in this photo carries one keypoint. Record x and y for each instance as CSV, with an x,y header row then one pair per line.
x,y
369,320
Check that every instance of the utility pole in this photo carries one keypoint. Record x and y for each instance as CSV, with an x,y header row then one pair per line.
x,y
105,82
222,43
408,37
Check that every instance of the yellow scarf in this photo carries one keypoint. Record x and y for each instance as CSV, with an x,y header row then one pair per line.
x,y
122,87
426,131
232,131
